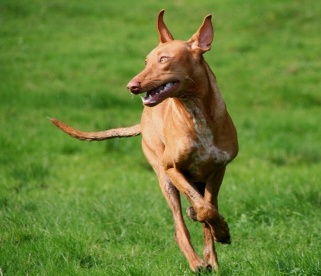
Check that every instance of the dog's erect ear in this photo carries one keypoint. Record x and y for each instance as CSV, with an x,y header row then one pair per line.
x,y
202,39
163,32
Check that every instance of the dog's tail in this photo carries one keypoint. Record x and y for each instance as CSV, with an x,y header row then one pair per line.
x,y
100,135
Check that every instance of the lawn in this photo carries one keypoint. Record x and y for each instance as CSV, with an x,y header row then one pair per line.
x,y
78,208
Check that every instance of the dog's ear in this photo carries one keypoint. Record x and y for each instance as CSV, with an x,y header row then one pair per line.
x,y
163,32
201,41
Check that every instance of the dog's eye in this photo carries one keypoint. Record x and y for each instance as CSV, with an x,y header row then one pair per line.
x,y
163,59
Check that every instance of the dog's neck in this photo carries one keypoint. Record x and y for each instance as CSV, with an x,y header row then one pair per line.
x,y
206,100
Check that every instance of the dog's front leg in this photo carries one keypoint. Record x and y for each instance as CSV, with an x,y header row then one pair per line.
x,y
218,225
204,210
182,236
209,252
217,229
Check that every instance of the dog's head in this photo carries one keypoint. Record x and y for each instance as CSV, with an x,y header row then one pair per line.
x,y
173,65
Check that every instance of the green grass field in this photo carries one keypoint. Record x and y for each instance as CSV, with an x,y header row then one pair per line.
x,y
77,208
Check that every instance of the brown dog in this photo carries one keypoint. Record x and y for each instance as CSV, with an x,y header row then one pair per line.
x,y
188,136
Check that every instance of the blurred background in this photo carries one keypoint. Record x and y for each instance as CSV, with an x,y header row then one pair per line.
x,y
79,208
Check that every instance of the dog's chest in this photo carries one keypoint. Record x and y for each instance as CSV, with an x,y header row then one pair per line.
x,y
201,155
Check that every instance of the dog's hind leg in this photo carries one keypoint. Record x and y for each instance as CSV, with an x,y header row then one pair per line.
x,y
182,236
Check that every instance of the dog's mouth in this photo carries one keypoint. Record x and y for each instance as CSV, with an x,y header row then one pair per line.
x,y
160,93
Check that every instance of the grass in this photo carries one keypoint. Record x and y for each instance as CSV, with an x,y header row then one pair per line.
x,y
75,208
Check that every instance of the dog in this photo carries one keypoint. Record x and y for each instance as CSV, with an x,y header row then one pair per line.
x,y
188,136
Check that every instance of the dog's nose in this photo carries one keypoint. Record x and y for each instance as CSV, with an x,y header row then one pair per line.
x,y
134,86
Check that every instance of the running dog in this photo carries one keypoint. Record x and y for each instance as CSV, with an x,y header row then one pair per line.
x,y
188,136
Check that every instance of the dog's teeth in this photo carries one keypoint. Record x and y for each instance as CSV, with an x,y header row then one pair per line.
x,y
149,96
168,85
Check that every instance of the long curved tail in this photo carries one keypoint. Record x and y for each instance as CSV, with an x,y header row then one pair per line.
x,y
100,135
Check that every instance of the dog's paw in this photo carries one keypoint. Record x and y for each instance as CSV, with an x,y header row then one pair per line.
x,y
191,213
220,230
202,270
